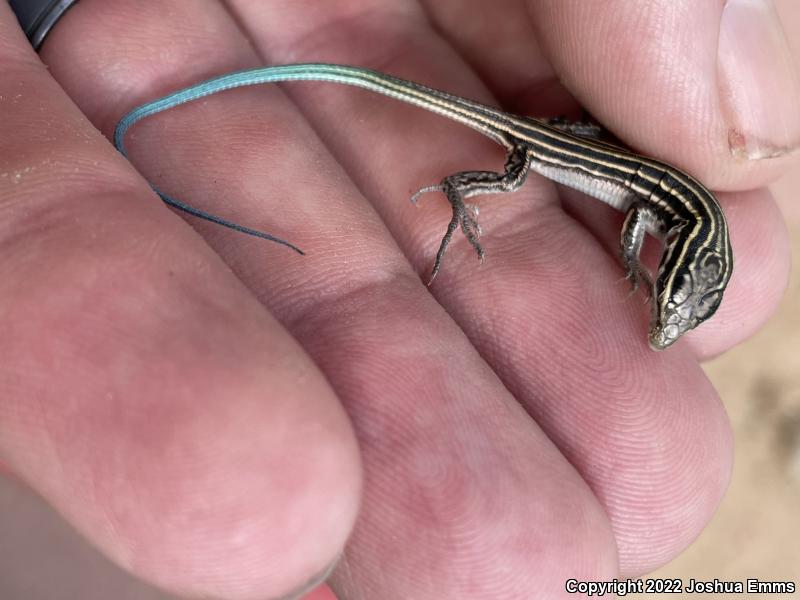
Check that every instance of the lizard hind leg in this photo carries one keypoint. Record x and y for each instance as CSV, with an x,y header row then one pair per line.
x,y
466,184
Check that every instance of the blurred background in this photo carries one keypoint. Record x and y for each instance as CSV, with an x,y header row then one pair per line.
x,y
755,533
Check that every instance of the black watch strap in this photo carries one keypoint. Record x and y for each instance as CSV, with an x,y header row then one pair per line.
x,y
37,17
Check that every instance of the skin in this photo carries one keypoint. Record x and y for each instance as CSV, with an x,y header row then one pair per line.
x,y
213,412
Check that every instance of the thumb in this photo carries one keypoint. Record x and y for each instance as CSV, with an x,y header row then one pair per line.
x,y
707,85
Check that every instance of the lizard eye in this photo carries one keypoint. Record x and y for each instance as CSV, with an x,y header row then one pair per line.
x,y
710,271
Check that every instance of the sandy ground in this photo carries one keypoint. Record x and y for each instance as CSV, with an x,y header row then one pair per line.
x,y
756,532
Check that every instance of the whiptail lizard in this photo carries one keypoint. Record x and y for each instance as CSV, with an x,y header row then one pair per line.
x,y
696,261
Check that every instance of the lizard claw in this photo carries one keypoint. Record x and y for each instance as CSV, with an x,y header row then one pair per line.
x,y
638,275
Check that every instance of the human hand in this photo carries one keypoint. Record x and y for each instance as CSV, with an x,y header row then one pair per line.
x,y
154,399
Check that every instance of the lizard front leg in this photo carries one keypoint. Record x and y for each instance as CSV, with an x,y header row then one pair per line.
x,y
636,224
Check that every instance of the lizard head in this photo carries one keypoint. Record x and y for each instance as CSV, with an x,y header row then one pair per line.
x,y
686,295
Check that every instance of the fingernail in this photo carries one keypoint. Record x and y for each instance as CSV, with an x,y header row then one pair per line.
x,y
759,84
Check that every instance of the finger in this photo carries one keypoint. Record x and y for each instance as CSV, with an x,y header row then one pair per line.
x,y
500,43
541,311
440,434
757,231
544,285
708,86
145,393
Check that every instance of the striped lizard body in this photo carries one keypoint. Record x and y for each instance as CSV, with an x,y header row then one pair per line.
x,y
696,260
